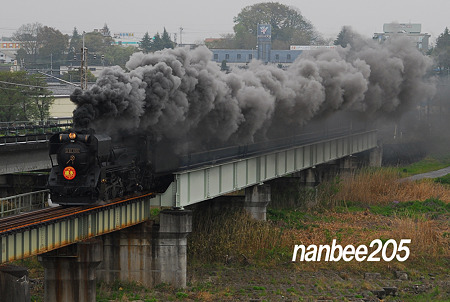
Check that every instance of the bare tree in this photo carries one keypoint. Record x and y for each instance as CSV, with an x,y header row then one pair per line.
x,y
27,35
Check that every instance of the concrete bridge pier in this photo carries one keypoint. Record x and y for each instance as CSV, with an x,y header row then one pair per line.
x,y
127,255
69,272
170,243
149,253
14,284
376,156
256,200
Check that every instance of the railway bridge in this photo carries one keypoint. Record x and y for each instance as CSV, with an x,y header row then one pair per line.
x,y
121,240
23,145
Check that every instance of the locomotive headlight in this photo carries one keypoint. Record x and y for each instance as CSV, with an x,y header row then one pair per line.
x,y
72,135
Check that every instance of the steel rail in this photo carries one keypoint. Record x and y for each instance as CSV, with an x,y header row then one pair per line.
x,y
38,217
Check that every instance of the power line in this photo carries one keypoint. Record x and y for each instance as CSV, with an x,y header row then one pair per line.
x,y
13,89
24,85
18,90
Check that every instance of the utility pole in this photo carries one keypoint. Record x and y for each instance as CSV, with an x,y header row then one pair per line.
x,y
84,66
181,36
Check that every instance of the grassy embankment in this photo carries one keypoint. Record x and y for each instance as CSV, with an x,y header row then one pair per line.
x,y
353,209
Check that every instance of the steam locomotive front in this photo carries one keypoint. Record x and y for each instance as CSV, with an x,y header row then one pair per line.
x,y
73,180
73,155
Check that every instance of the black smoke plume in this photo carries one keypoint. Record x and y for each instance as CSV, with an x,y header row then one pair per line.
x,y
181,95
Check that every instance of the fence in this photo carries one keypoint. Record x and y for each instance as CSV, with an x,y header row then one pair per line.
x,y
23,202
34,127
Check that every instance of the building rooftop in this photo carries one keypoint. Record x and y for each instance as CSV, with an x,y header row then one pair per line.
x,y
63,89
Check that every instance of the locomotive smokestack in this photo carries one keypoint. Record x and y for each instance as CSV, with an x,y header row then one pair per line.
x,y
183,95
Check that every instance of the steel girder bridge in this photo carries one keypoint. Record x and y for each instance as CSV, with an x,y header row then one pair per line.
x,y
189,186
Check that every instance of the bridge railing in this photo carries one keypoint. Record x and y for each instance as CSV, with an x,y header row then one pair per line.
x,y
34,127
23,202
19,132
215,156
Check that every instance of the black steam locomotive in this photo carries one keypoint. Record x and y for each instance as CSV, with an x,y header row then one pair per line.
x,y
90,168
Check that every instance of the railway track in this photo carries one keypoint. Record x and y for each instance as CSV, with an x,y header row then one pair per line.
x,y
30,219
22,220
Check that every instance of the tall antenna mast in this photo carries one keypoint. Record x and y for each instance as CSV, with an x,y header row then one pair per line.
x,y
84,66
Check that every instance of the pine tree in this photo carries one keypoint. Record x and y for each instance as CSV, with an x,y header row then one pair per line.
x,y
105,31
157,43
74,45
166,41
442,51
146,43
344,37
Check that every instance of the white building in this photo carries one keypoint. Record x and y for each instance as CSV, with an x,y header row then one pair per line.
x,y
7,56
8,50
126,39
410,30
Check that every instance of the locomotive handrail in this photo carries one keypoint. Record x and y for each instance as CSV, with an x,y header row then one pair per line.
x,y
23,202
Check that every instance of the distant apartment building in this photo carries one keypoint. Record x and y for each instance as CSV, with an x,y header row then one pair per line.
x,y
8,50
10,45
410,30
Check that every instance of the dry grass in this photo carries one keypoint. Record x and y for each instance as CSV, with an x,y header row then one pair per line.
x,y
427,238
236,239
230,236
380,187
233,237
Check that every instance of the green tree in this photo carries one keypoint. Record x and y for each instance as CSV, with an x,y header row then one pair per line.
x,y
23,97
166,41
441,52
96,42
52,46
157,43
74,76
74,45
119,55
40,98
146,43
227,41
344,37
41,46
288,25
243,38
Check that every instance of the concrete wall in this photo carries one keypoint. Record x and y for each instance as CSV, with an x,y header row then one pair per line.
x,y
62,107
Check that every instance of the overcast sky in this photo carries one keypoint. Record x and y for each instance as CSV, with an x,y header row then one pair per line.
x,y
202,19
